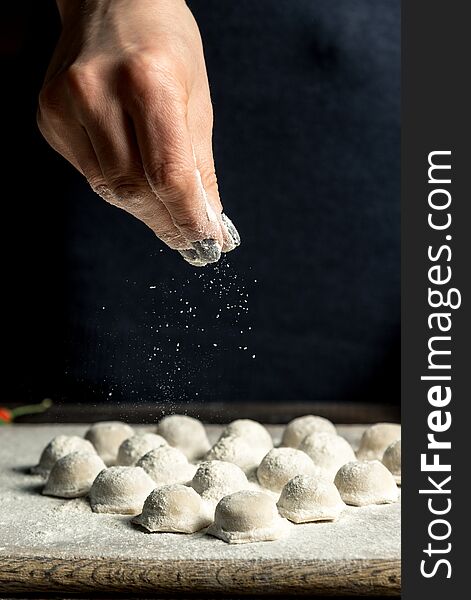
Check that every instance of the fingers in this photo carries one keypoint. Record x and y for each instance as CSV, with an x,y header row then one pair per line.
x,y
207,175
200,123
94,135
167,155
115,145
69,138
145,149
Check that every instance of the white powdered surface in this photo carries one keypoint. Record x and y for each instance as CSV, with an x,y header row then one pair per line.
x,y
35,525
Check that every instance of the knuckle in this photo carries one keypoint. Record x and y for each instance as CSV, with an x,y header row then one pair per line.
x,y
189,222
168,178
149,74
149,63
129,195
50,99
99,187
83,82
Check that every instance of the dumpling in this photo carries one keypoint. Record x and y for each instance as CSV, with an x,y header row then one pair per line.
x,y
120,490
306,498
392,460
58,447
72,475
282,464
328,451
365,482
174,508
107,437
167,465
215,479
134,448
376,439
299,428
185,433
251,431
247,516
237,450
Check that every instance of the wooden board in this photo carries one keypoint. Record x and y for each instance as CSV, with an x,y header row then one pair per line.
x,y
217,412
50,544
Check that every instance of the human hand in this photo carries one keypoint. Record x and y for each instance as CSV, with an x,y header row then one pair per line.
x,y
126,100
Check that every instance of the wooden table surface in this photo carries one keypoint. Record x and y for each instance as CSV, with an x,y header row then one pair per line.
x,y
54,545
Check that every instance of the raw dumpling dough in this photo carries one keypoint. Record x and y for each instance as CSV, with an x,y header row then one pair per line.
x,y
174,508
392,460
306,498
167,465
376,439
72,475
366,482
186,434
282,464
134,448
328,451
247,516
237,450
299,428
58,447
251,431
215,479
120,490
107,437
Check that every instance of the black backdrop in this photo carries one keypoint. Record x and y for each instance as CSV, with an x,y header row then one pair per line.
x,y
306,98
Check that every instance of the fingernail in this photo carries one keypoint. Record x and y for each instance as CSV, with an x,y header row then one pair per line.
x,y
191,257
208,250
231,228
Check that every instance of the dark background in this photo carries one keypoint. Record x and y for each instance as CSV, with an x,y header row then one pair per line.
x,y
306,100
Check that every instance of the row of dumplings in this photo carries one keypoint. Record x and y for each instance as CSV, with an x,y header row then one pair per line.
x,y
244,489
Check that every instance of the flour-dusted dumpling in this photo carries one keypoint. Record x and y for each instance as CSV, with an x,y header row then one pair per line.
x,y
248,516
365,482
376,439
215,479
58,447
120,490
134,448
299,428
185,433
107,437
305,499
174,508
72,475
328,451
236,450
392,460
251,431
167,465
282,464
